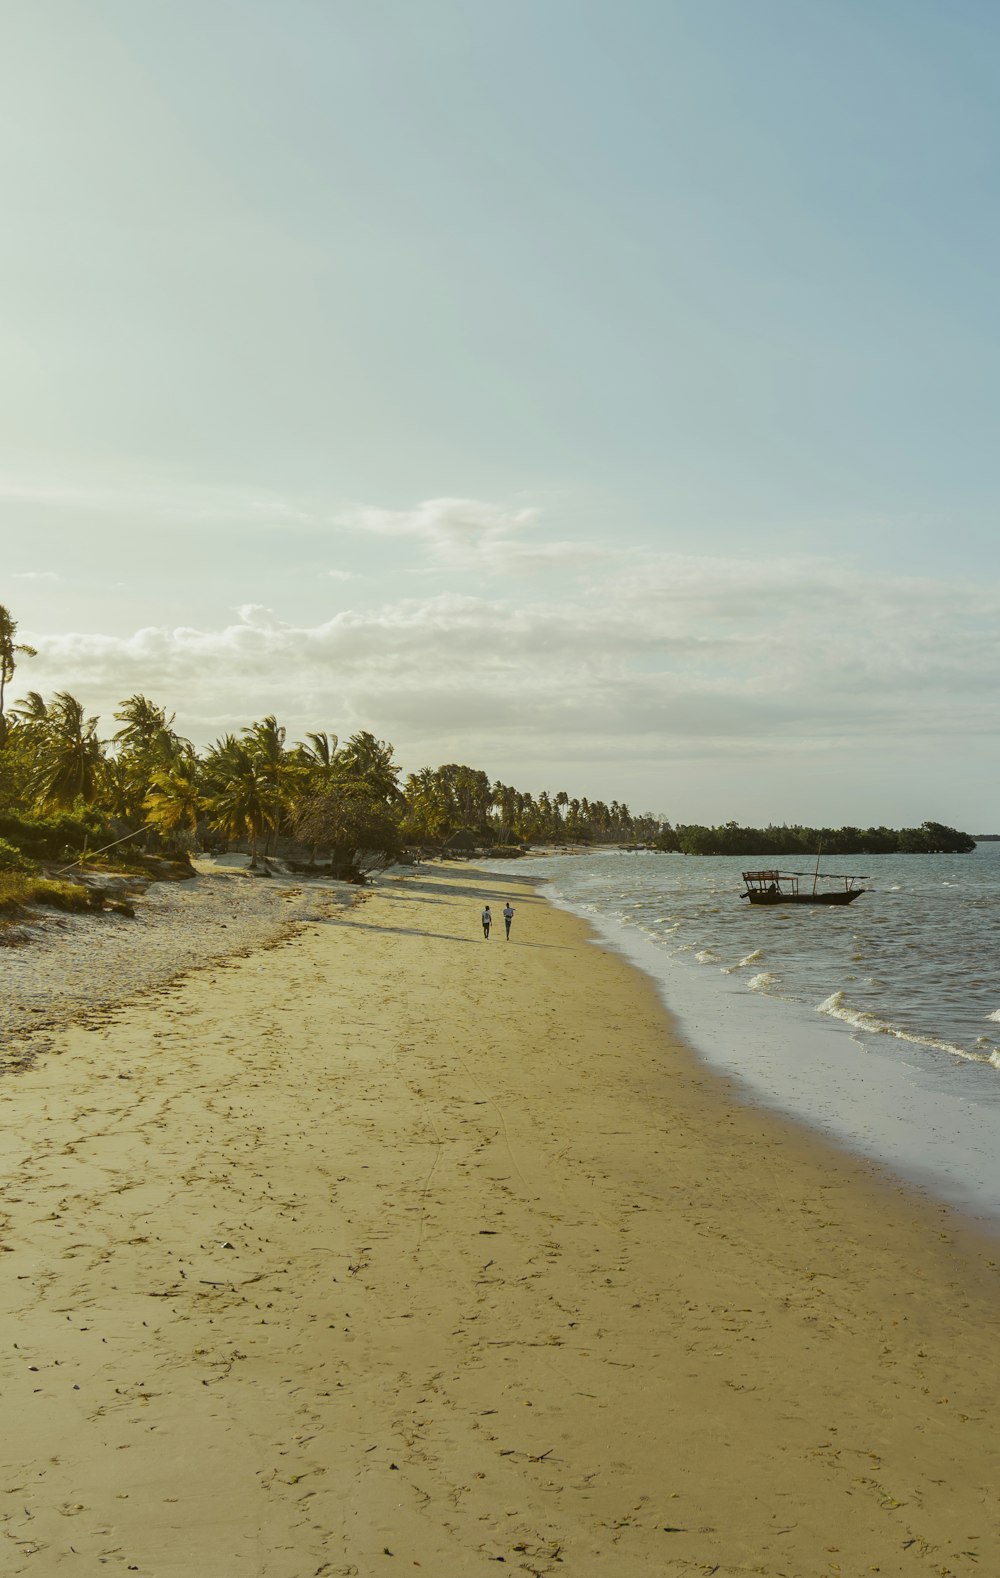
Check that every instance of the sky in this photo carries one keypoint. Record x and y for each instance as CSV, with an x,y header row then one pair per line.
x,y
603,393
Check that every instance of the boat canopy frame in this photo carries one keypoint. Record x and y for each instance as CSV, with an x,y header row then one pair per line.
x,y
788,881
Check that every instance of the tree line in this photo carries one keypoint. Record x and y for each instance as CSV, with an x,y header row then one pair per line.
x,y
348,803
930,838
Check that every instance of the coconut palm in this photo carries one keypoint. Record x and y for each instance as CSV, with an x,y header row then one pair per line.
x,y
428,810
32,712
147,731
10,650
68,758
175,802
146,744
241,799
370,760
265,742
321,751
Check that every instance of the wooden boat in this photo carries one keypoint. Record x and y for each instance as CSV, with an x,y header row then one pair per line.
x,y
782,887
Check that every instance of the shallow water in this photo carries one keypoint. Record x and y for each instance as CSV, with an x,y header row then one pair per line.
x,y
878,1023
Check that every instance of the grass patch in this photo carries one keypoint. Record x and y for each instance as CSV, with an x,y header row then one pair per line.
x,y
19,890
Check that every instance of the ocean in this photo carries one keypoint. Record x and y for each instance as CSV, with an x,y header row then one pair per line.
x,y
877,1024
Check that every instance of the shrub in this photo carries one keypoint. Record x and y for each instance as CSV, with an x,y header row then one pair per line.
x,y
18,890
11,858
52,837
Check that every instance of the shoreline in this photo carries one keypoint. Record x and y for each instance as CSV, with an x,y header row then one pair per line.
x,y
387,1241
861,1095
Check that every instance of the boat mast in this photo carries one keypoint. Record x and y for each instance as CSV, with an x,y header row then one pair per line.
x,y
819,851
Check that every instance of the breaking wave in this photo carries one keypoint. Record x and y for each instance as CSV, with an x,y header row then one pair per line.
x,y
761,982
873,1025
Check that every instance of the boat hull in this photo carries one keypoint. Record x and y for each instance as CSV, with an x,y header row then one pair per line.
x,y
806,898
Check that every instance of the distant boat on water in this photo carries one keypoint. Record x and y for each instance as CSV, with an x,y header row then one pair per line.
x,y
782,887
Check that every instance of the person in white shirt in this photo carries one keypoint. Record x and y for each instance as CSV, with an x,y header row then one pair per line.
x,y
508,916
487,922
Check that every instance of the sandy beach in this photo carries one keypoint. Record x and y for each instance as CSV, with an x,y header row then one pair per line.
x,y
386,1248
66,967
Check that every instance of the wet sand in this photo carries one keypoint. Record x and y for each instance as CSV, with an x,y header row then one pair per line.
x,y
388,1249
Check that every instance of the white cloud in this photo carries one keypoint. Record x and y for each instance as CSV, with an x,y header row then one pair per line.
x,y
442,522
643,660
34,575
463,534
453,533
666,657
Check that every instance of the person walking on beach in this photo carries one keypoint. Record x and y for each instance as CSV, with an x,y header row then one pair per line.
x,y
508,916
487,922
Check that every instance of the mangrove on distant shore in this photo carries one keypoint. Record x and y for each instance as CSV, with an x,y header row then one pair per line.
x,y
930,838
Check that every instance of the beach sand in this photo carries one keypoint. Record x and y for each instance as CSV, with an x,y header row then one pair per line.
x,y
387,1248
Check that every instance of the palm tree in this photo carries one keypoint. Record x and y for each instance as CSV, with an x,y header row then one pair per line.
x,y
370,759
147,743
428,818
68,761
242,801
321,751
267,740
32,712
9,651
144,722
175,802
505,798
266,743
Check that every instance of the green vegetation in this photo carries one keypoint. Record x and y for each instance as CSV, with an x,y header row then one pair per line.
x,y
13,859
66,793
931,838
20,889
344,805
10,651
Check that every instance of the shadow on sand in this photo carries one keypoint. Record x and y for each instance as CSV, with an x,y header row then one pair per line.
x,y
442,936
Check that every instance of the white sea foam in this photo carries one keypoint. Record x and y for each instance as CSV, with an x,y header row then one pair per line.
x,y
750,958
835,1006
707,956
761,982
872,1025
995,1016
